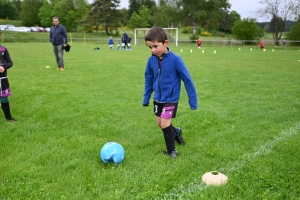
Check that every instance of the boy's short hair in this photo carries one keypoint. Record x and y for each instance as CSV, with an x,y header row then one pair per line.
x,y
156,34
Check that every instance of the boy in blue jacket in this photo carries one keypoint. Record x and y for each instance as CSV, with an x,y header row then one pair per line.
x,y
111,43
163,75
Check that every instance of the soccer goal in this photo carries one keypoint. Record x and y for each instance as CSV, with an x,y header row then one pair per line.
x,y
140,33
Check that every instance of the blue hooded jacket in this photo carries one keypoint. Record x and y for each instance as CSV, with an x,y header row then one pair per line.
x,y
110,41
58,35
165,81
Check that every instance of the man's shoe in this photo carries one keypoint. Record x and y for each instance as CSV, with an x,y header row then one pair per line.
x,y
173,154
57,68
11,120
62,69
178,136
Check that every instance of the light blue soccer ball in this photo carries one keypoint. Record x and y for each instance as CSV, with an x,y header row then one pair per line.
x,y
112,152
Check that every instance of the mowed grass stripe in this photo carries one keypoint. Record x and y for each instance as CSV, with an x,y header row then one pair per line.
x,y
194,188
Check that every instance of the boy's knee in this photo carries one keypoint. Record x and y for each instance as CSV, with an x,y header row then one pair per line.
x,y
164,125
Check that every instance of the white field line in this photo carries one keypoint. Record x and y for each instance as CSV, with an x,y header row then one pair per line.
x,y
184,192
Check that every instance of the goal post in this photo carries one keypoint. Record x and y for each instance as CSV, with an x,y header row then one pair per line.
x,y
166,29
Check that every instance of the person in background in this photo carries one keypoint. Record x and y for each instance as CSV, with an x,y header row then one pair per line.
x,y
125,36
111,43
199,43
261,45
119,46
123,43
5,64
59,40
129,43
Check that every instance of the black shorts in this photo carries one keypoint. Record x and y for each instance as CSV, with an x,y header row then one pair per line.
x,y
165,110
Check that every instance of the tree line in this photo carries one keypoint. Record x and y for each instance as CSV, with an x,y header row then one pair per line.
x,y
209,14
205,15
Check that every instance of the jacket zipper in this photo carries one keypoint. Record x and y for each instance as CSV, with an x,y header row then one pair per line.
x,y
159,71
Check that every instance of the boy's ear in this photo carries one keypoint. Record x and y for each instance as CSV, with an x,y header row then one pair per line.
x,y
166,42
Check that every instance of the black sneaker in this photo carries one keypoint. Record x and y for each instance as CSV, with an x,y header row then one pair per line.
x,y
173,154
11,120
178,136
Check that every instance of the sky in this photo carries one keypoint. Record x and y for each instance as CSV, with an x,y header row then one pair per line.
x,y
246,8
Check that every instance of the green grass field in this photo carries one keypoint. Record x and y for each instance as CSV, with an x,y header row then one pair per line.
x,y
247,126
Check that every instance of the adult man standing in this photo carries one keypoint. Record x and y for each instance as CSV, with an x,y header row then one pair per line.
x,y
125,36
59,39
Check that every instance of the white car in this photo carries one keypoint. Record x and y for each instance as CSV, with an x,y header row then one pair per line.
x,y
22,29
47,29
2,27
10,28
34,29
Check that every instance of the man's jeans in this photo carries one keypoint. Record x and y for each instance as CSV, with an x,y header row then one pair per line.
x,y
59,55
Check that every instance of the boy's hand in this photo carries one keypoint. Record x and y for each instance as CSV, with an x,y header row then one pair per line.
x,y
2,69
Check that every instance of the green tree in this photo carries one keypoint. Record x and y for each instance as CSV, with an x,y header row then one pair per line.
x,y
125,17
228,19
29,12
235,16
206,14
76,13
135,5
225,22
276,9
61,10
17,5
7,10
247,29
105,13
45,14
140,20
276,27
70,13
266,28
293,34
165,14
134,21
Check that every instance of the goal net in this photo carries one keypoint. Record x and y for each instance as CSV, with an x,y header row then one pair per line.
x,y
140,33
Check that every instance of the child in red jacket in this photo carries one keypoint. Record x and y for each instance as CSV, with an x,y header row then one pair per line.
x,y
261,45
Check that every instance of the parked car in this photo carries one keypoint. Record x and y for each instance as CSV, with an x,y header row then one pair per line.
x,y
10,28
9,25
2,27
22,29
41,29
34,29
47,29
